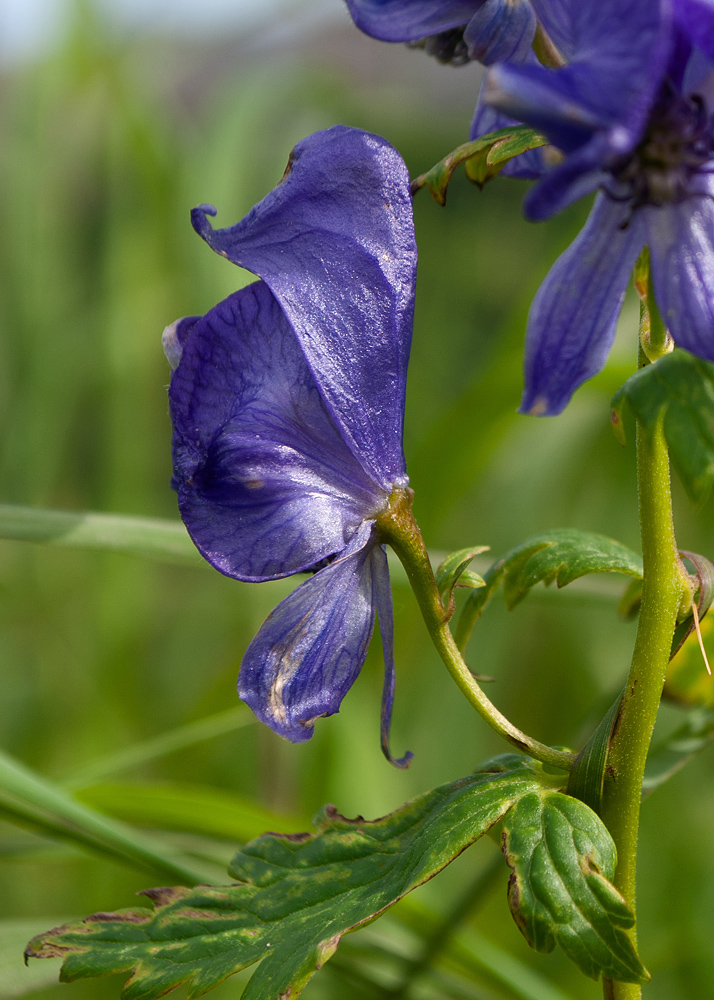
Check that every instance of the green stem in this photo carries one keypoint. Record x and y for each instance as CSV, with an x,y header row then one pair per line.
x,y
398,527
662,591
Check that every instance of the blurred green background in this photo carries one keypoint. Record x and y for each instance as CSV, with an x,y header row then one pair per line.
x,y
106,142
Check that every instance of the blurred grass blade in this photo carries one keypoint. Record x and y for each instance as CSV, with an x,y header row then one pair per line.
x,y
667,759
30,800
470,953
153,537
189,808
176,739
16,978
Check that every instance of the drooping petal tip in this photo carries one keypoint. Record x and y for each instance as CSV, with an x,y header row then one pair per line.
x,y
385,614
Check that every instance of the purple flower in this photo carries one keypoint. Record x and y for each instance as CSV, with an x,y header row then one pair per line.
x,y
454,31
287,402
630,113
460,31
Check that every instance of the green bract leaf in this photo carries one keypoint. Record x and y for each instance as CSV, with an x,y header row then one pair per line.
x,y
561,556
560,892
587,777
483,158
297,895
679,389
453,572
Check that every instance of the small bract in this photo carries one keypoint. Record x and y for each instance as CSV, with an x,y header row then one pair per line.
x,y
287,403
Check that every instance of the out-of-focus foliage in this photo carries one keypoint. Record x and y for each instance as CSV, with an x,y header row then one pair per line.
x,y
104,147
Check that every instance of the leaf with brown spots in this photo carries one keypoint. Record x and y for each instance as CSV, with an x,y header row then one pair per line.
x,y
563,859
296,895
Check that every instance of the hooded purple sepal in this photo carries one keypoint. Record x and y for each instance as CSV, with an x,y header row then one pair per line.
x,y
266,483
572,321
310,649
410,20
695,19
501,30
335,243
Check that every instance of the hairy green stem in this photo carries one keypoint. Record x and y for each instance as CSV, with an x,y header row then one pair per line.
x,y
398,527
662,592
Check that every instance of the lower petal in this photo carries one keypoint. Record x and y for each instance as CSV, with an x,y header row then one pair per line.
x,y
681,239
310,649
573,317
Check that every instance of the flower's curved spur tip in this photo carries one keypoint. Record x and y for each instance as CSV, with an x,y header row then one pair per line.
x,y
401,762
539,407
199,221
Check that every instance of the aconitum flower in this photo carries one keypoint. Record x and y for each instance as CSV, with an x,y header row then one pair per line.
x,y
454,31
460,31
631,116
287,402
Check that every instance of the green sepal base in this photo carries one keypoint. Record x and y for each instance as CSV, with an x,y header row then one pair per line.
x,y
483,159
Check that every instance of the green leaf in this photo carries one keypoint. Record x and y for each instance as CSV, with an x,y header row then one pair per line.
x,y
189,808
587,777
295,898
483,158
562,556
560,892
152,537
32,801
678,389
453,573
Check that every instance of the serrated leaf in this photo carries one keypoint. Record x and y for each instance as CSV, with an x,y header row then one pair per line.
x,y
679,389
483,158
453,573
560,892
295,898
562,556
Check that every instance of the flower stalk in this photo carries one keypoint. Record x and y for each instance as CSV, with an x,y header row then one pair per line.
x,y
665,588
398,527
